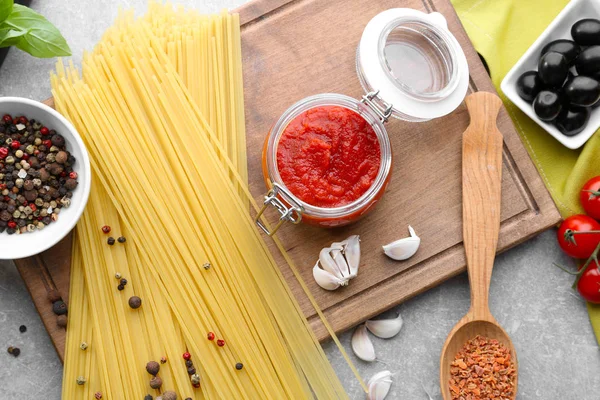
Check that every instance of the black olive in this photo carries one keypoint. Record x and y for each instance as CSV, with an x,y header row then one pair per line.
x,y
582,91
529,85
553,69
572,120
547,105
588,62
567,48
586,32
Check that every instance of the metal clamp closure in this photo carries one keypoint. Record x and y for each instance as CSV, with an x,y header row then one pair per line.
x,y
383,113
292,214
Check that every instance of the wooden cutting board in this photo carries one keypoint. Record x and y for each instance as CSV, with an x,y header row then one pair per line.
x,y
297,48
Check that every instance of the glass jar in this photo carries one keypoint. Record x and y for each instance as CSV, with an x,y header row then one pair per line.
x,y
411,68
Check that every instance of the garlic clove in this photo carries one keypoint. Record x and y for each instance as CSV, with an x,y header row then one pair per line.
x,y
329,264
341,263
405,248
325,279
385,328
352,253
379,385
361,344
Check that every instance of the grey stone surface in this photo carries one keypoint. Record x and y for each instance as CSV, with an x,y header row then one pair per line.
x,y
557,351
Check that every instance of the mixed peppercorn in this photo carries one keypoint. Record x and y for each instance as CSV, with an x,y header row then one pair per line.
x,y
36,175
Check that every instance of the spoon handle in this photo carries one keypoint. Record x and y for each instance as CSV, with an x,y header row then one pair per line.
x,y
482,176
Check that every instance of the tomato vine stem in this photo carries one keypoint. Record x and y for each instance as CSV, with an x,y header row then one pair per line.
x,y
593,257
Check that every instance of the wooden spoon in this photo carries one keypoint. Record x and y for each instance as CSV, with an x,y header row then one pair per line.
x,y
482,176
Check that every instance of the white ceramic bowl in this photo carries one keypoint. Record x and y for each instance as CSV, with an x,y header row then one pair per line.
x,y
560,28
28,244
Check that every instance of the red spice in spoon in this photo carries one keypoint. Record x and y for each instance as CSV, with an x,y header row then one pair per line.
x,y
482,369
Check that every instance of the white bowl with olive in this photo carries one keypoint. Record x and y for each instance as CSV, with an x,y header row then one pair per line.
x,y
44,177
557,81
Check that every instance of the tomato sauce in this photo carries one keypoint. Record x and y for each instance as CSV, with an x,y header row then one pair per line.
x,y
328,156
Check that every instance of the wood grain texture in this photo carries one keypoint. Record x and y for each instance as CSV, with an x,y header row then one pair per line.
x,y
296,48
481,186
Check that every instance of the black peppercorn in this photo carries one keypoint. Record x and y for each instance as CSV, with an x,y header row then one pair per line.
x,y
59,307
121,239
135,302
153,367
156,382
239,366
110,241
148,397
191,370
123,281
189,363
120,287
22,329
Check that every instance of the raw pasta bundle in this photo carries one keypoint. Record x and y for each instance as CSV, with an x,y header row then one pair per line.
x,y
167,147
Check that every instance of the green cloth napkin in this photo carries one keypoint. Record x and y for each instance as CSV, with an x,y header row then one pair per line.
x,y
502,31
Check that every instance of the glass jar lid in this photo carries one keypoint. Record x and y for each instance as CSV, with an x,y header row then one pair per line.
x,y
411,65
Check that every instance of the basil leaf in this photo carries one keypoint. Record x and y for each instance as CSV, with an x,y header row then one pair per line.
x,y
6,6
38,36
9,37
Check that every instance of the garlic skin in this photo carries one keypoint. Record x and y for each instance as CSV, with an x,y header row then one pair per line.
x,y
385,328
405,248
325,279
338,264
361,344
379,385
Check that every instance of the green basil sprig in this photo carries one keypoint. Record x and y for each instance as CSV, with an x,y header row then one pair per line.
x,y
29,31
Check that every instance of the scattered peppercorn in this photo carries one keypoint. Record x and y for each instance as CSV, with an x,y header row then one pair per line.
x,y
98,395
54,295
61,321
148,397
220,343
120,287
210,336
83,346
81,380
196,385
153,367
206,266
156,382
189,363
188,398
195,379
14,351
121,239
163,360
59,307
239,366
123,281
135,302
191,370
169,395
22,329
187,356
106,229
118,275
110,241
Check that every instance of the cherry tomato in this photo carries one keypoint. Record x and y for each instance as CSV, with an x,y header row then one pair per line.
x,y
590,197
589,283
578,245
